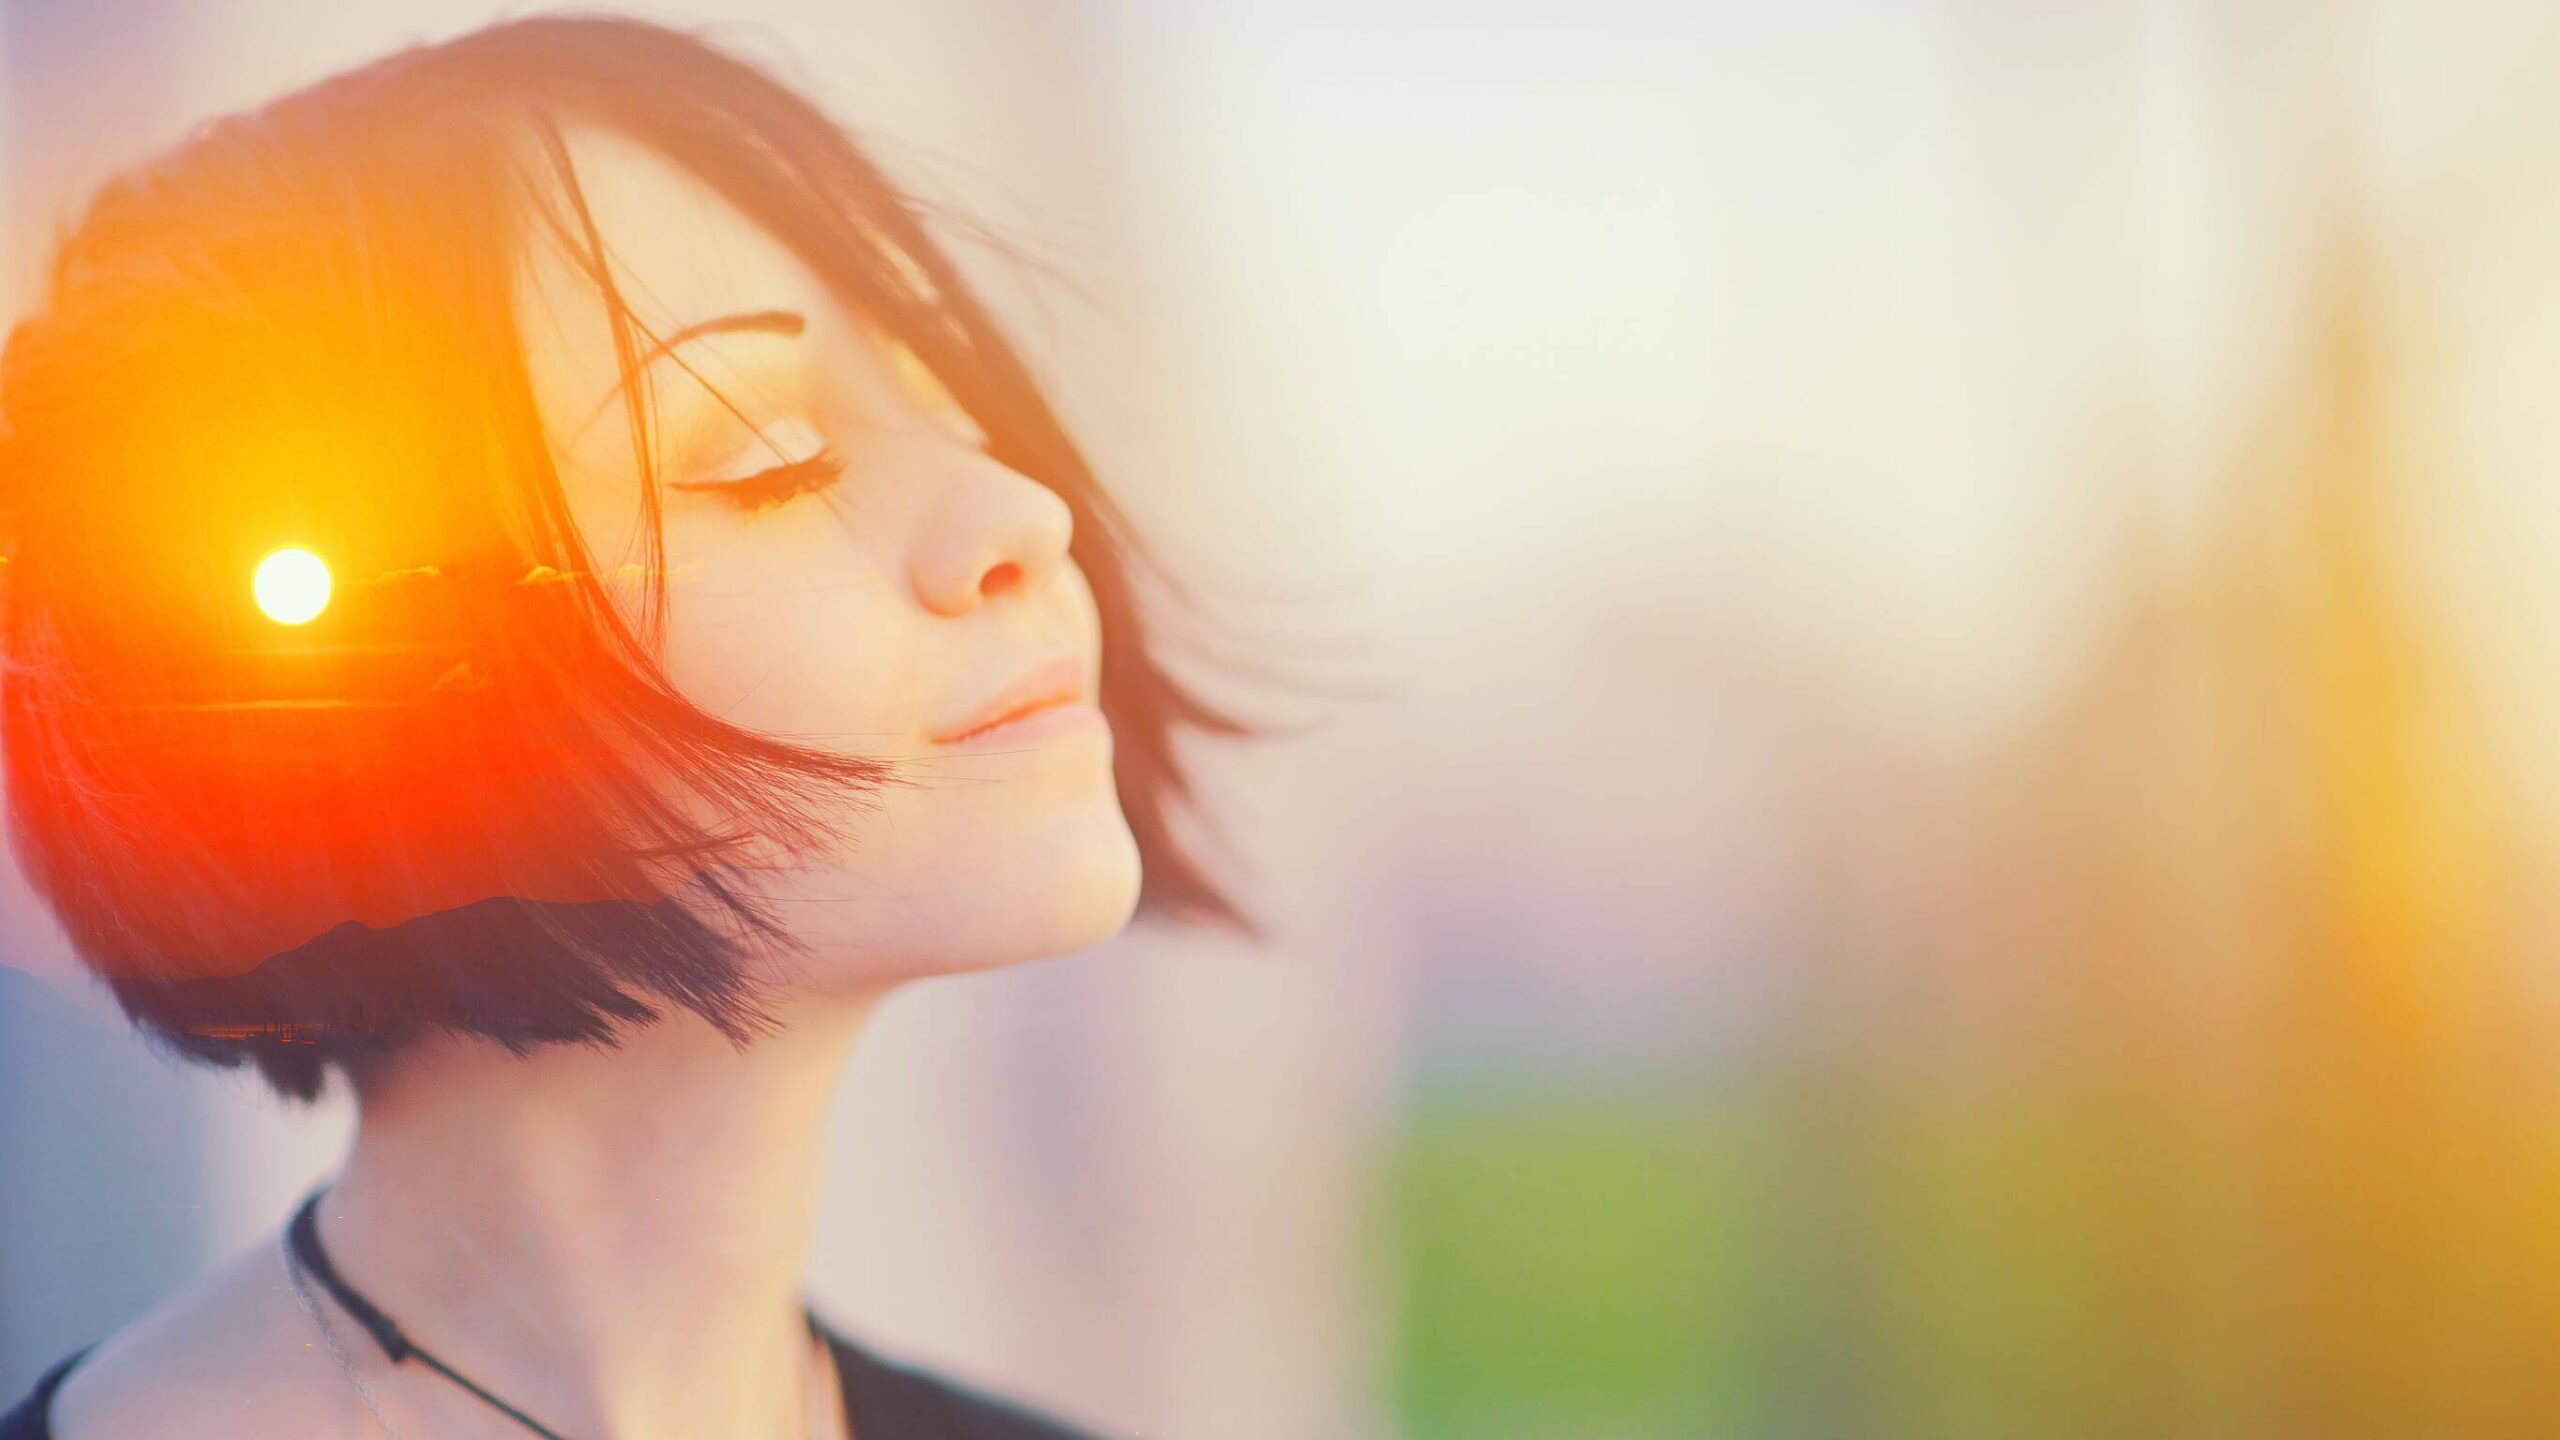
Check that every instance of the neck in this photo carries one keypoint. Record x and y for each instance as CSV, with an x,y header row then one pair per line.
x,y
612,1240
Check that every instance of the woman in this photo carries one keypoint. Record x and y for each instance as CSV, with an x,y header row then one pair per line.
x,y
533,586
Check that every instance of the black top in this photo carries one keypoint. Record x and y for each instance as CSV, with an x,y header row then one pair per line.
x,y
882,1400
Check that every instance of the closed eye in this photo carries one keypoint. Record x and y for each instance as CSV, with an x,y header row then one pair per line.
x,y
770,487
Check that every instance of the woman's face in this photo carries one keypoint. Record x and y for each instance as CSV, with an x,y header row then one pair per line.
x,y
847,569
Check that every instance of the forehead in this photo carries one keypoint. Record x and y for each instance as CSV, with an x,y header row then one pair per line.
x,y
677,251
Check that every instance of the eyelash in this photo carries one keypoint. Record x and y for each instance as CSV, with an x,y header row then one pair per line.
x,y
768,488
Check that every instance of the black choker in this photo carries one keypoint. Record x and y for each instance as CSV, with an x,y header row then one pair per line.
x,y
304,1239
302,1242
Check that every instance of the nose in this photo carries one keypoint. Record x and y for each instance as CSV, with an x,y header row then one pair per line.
x,y
994,531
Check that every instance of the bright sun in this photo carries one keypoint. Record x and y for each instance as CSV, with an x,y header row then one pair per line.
x,y
292,586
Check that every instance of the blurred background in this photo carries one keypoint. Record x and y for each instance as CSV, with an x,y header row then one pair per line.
x,y
1932,759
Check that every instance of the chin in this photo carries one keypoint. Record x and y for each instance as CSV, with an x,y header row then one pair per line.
x,y
1059,887
1075,890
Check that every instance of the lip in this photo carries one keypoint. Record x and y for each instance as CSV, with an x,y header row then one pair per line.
x,y
1032,728
1048,693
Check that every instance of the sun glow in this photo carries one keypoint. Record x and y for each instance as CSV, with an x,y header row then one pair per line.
x,y
292,586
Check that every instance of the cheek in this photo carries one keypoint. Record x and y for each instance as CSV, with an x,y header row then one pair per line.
x,y
790,628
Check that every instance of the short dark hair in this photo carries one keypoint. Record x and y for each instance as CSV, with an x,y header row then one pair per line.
x,y
467,797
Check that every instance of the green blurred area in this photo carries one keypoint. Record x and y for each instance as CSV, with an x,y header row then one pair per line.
x,y
1676,1260
1583,1261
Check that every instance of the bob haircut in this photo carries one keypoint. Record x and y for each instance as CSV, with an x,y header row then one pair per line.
x,y
466,796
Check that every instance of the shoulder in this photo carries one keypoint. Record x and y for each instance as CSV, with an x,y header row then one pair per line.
x,y
902,1402
219,1358
31,1417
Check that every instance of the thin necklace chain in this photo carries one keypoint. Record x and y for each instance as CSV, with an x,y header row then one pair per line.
x,y
329,1337
338,1352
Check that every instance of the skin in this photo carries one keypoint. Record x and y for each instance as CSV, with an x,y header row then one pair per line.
x,y
614,1240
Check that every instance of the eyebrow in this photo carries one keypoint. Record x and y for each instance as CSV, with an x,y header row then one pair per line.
x,y
787,323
